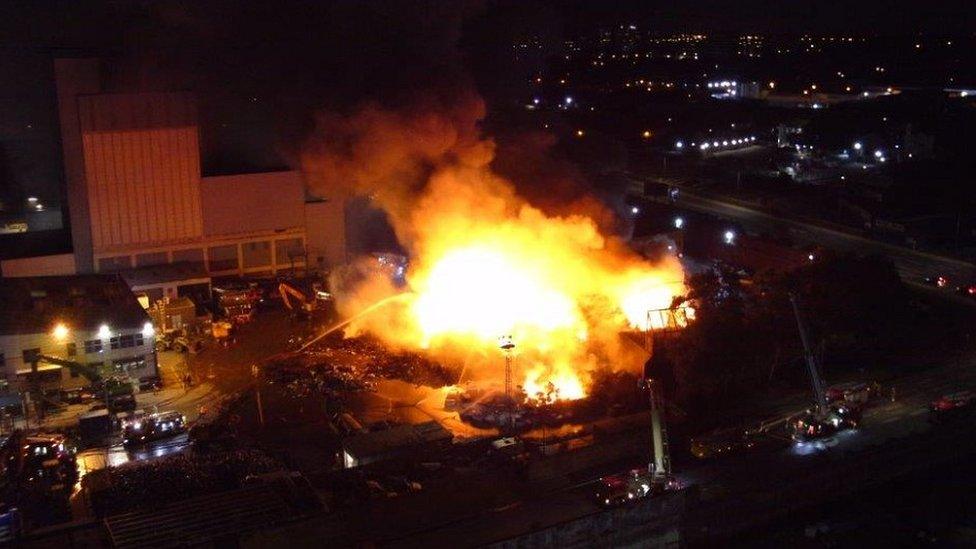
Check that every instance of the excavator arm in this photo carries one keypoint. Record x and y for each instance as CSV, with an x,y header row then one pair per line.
x,y
90,373
288,290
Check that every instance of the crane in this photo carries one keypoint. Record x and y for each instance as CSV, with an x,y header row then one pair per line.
x,y
825,418
816,379
112,388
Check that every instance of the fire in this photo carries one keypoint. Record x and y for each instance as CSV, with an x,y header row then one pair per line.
x,y
545,387
484,263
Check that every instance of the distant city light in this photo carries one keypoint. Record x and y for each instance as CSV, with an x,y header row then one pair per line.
x,y
646,134
535,101
679,222
729,237
104,332
878,153
32,199
858,146
568,100
579,133
678,145
635,210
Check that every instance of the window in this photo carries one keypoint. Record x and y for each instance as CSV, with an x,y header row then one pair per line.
x,y
72,349
30,355
288,251
155,258
194,256
127,341
93,346
223,258
111,264
3,360
140,341
256,254
114,342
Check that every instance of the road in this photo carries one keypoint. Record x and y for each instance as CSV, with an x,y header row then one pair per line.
x,y
913,265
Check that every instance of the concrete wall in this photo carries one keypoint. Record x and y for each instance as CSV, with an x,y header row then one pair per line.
x,y
234,204
74,77
46,265
142,167
325,223
652,522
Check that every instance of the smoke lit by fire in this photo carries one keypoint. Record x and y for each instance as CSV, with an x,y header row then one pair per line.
x,y
483,262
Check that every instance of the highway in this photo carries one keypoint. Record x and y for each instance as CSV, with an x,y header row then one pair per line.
x,y
913,265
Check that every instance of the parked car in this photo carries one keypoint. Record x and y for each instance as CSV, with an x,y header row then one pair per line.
x,y
953,406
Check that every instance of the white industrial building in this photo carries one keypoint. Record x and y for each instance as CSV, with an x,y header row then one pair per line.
x,y
137,198
94,320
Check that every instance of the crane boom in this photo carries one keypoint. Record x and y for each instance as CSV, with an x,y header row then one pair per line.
x,y
90,373
819,391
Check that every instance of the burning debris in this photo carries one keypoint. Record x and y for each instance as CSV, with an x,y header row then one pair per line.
x,y
337,364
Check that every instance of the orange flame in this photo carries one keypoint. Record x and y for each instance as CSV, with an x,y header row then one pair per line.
x,y
485,263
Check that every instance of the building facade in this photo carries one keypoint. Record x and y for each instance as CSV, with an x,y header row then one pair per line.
x,y
137,197
94,320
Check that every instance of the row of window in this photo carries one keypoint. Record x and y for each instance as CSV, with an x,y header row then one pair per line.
x,y
91,346
221,258
117,342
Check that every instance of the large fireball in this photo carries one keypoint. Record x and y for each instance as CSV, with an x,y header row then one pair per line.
x,y
484,263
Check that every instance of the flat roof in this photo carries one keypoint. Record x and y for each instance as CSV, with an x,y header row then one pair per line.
x,y
36,304
158,274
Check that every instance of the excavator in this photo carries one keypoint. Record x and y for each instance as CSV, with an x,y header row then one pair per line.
x,y
117,393
304,305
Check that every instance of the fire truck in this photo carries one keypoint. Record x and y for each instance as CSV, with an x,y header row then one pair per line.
x,y
656,478
146,428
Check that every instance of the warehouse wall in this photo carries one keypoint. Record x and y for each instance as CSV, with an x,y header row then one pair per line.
x,y
142,167
234,204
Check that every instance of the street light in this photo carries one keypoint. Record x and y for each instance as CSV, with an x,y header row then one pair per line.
x,y
729,237
104,332
858,146
679,145
635,210
679,222
60,332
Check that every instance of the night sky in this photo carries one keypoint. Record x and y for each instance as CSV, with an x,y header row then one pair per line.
x,y
261,68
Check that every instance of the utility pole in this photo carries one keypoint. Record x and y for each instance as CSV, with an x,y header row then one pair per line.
x,y
256,373
507,346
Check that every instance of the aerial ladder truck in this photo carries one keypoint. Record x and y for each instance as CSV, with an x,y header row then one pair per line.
x,y
824,418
